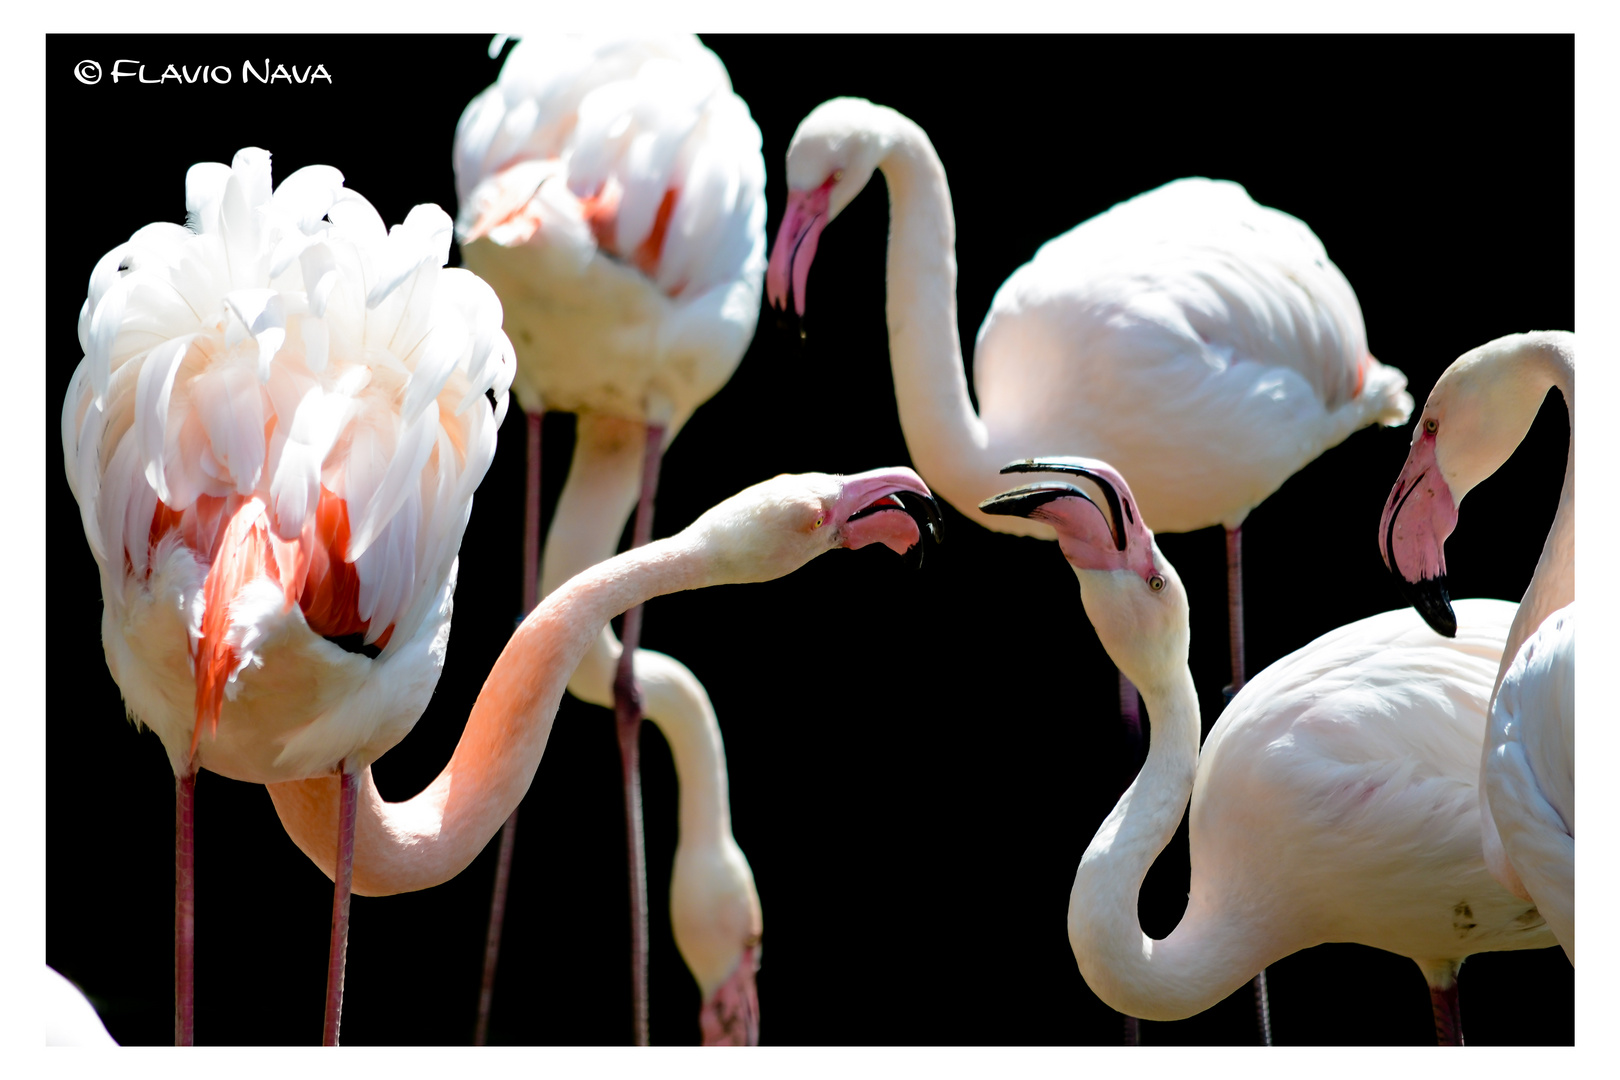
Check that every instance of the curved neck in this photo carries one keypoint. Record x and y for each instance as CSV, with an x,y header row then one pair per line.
x,y
948,442
604,480
1552,586
428,839
1208,955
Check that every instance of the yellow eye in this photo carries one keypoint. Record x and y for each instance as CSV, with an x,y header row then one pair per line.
x,y
819,519
1431,425
838,175
1156,583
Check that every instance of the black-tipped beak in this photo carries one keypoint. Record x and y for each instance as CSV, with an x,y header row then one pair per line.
x,y
1023,502
1432,601
924,510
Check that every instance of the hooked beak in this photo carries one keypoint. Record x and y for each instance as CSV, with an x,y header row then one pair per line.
x,y
731,1016
891,507
1089,537
796,239
1418,516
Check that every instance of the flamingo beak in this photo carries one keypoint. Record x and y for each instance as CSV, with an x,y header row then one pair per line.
x,y
731,1016
891,507
1090,537
1418,516
796,239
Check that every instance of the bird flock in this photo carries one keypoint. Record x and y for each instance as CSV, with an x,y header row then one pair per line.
x,y
287,404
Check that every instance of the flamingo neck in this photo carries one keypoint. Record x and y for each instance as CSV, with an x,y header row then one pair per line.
x,y
1552,360
604,479
1208,955
428,839
948,442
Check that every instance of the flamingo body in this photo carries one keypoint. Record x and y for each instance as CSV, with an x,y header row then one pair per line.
x,y
612,192
274,439
1201,341
1336,799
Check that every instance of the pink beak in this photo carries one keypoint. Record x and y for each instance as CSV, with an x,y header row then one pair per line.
x,y
890,507
802,222
1418,516
731,1016
1088,538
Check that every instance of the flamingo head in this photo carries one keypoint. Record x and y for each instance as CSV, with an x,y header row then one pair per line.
x,y
715,915
771,529
1475,417
833,155
1131,593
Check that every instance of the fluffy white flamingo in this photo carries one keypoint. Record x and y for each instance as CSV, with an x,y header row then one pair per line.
x,y
612,192
274,438
1203,342
1478,412
1334,800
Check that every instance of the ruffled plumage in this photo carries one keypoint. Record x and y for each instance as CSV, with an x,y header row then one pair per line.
x,y
612,191
287,373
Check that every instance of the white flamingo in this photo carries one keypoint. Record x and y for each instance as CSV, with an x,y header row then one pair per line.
x,y
612,192
1203,342
1334,800
274,438
1479,410
766,531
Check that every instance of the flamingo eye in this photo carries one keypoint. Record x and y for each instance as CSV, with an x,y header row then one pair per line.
x,y
820,519
1156,583
838,174
1431,425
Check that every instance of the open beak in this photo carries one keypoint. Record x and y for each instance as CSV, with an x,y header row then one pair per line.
x,y
891,507
1091,538
796,239
1418,516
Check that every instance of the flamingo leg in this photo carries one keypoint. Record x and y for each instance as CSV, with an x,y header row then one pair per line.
x,y
627,715
185,907
342,882
1234,632
503,860
1447,1015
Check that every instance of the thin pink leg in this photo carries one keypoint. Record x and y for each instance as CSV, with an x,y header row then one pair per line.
x,y
185,907
503,860
1234,633
348,790
627,714
1447,1015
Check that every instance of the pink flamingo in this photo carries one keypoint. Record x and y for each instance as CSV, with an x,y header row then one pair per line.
x,y
274,438
1476,415
1204,342
1334,800
612,192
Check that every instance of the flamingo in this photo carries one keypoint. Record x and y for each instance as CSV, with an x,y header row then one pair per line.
x,y
762,533
1479,410
1334,800
274,438
70,1019
1202,341
612,192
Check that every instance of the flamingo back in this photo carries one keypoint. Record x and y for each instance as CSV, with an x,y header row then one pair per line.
x,y
1203,342
612,190
281,416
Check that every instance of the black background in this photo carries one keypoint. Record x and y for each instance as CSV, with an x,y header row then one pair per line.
x,y
912,815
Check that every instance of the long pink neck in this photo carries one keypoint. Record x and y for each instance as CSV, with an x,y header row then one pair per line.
x,y
429,839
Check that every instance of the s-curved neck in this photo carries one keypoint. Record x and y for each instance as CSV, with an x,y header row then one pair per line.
x,y
1211,952
1551,358
948,442
428,839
